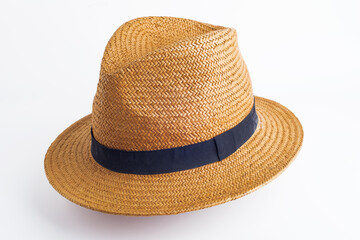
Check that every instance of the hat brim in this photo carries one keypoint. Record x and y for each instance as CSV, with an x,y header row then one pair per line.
x,y
73,172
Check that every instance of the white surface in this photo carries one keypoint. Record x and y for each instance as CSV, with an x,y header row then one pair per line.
x,y
303,54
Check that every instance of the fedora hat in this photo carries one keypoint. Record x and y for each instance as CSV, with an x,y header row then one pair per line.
x,y
174,127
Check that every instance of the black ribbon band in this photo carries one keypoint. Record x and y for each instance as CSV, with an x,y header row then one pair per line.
x,y
179,158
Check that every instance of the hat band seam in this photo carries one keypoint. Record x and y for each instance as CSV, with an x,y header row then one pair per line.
x,y
178,158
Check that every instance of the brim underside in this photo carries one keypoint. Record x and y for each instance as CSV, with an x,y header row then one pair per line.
x,y
73,172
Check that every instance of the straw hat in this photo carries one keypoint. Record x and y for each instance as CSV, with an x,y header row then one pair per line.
x,y
175,126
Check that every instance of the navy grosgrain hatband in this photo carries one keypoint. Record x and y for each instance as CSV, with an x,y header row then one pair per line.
x,y
178,158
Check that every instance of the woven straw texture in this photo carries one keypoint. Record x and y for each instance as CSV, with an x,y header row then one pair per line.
x,y
169,82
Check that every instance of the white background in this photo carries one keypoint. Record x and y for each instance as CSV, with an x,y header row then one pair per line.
x,y
303,54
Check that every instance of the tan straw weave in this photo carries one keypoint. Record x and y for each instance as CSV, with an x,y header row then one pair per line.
x,y
164,83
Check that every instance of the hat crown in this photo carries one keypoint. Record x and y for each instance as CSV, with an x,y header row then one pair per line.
x,y
169,82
